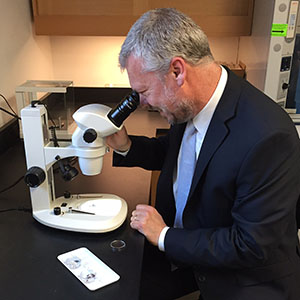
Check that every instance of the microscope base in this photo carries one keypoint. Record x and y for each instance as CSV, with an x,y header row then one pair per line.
x,y
94,213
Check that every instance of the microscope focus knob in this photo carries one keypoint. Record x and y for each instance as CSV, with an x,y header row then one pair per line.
x,y
285,86
57,210
34,177
67,195
90,135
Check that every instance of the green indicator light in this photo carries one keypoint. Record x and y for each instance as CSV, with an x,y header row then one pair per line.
x,y
279,29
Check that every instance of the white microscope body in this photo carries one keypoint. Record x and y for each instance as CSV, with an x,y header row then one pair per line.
x,y
78,212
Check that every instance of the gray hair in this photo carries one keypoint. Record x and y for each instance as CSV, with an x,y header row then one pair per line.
x,y
161,34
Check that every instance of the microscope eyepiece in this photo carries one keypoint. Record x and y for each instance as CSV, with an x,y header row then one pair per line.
x,y
129,104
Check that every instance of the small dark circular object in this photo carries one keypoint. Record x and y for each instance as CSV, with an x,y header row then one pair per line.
x,y
285,86
34,177
57,210
70,173
117,245
90,135
67,195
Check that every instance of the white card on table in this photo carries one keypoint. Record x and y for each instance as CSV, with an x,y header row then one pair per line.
x,y
88,268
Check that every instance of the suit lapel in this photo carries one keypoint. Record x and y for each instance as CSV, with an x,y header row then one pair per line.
x,y
210,145
217,130
176,142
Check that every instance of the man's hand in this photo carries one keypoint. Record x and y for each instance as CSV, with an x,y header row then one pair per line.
x,y
147,221
119,141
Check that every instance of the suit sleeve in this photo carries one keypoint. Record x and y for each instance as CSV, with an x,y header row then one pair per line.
x,y
263,212
147,153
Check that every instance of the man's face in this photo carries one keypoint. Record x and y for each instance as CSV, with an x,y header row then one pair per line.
x,y
160,93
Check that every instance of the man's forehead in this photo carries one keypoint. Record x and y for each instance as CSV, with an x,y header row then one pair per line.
x,y
134,62
137,77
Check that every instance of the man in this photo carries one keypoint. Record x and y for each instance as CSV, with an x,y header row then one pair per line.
x,y
230,228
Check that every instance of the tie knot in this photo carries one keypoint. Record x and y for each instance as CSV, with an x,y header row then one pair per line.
x,y
190,129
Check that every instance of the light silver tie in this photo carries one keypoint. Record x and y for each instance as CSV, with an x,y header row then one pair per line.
x,y
186,171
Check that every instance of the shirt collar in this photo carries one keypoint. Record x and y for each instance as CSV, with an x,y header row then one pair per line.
x,y
203,118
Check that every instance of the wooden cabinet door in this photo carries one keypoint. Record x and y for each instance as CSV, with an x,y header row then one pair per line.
x,y
115,17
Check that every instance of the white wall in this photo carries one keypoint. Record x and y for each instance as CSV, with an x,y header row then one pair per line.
x,y
93,61
88,61
23,56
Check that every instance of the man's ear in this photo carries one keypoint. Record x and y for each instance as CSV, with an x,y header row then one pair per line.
x,y
178,69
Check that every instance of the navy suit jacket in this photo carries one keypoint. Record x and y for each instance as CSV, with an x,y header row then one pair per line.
x,y
240,233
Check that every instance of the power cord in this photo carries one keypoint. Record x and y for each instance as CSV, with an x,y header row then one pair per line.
x,y
14,114
15,209
11,186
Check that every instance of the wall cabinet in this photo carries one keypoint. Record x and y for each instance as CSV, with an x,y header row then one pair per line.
x,y
115,17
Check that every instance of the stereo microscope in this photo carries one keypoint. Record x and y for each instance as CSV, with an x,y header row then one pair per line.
x,y
92,213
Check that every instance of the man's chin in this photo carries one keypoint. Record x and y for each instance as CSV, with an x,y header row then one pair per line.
x,y
172,120
166,116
